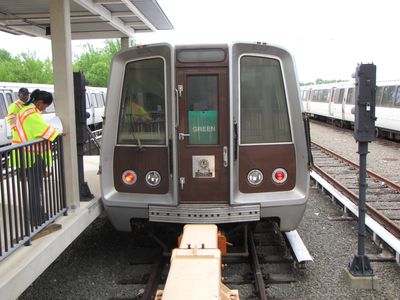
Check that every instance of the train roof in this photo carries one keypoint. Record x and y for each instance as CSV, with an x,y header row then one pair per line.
x,y
346,84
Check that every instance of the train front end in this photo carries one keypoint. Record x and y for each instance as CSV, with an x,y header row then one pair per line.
x,y
204,134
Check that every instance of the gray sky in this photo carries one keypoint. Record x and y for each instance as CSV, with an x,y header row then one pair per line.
x,y
326,38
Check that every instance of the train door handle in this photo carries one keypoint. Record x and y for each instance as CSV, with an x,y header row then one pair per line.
x,y
225,156
176,108
182,182
183,135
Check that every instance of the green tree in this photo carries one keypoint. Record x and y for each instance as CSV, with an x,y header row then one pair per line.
x,y
33,70
7,65
4,55
25,67
322,81
95,63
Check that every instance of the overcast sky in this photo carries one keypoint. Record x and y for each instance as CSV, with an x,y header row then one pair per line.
x,y
326,38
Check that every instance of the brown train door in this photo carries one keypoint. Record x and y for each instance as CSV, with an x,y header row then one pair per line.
x,y
202,132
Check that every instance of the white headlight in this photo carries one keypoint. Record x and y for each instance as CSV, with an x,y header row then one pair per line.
x,y
255,177
153,178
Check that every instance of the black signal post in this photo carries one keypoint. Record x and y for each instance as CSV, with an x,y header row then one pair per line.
x,y
81,133
364,132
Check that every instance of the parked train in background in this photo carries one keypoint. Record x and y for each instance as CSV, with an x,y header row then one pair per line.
x,y
204,134
95,103
334,103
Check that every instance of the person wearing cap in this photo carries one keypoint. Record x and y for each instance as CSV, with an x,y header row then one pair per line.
x,y
13,110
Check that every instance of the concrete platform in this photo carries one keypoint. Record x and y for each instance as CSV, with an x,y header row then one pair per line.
x,y
23,266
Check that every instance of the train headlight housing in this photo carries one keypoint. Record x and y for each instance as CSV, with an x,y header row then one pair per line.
x,y
129,177
153,178
279,176
255,177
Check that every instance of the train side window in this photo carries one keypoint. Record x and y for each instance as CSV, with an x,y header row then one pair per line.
x,y
142,114
378,95
3,107
87,100
388,96
94,100
339,92
350,96
320,96
314,95
101,99
397,99
264,114
325,95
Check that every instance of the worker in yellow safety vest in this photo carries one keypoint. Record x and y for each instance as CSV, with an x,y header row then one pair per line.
x,y
139,113
14,108
30,126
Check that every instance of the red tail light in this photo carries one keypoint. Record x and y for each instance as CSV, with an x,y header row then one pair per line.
x,y
129,177
279,175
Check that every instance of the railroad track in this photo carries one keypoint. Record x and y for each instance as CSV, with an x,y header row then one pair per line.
x,y
269,263
383,195
252,267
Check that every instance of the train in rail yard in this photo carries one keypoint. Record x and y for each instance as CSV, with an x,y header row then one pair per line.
x,y
204,134
95,103
334,103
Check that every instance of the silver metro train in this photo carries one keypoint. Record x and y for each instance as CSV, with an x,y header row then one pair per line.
x,y
334,102
204,134
95,103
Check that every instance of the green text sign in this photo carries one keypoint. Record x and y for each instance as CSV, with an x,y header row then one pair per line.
x,y
203,127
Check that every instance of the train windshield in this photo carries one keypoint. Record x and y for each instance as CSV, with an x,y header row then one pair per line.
x,y
142,117
264,116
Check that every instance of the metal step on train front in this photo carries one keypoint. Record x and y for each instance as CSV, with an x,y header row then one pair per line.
x,y
204,213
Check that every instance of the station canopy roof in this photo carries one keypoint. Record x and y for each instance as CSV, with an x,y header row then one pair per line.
x,y
89,18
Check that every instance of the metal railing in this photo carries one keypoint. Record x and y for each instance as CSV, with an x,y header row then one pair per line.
x,y
94,136
32,191
92,144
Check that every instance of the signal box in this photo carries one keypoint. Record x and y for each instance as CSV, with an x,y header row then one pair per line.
x,y
364,123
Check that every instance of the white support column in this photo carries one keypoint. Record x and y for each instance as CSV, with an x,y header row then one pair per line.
x,y
60,27
124,42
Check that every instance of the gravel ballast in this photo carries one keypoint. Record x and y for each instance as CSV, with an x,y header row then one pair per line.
x,y
90,267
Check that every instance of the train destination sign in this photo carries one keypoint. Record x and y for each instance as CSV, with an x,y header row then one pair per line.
x,y
203,127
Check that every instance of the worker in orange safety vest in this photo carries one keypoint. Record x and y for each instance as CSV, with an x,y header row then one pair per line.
x,y
14,108
30,126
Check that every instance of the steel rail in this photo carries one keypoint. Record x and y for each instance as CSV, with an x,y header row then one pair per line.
x,y
369,172
154,279
259,279
387,223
